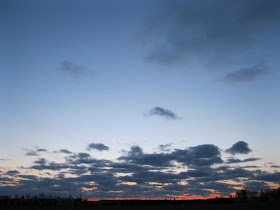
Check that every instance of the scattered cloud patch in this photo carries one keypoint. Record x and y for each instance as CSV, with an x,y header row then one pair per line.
x,y
240,147
41,150
32,153
197,170
199,156
246,74
164,113
180,32
74,70
97,146
274,166
66,151
12,172
40,161
236,160
165,147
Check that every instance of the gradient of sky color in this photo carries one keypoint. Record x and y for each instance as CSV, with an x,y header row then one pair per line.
x,y
147,73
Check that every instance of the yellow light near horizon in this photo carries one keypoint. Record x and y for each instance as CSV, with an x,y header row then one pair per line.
x,y
128,183
88,189
123,174
120,191
211,190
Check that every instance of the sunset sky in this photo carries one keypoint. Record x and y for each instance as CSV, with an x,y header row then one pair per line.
x,y
139,99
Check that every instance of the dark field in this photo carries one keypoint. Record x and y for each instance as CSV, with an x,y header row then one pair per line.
x,y
258,205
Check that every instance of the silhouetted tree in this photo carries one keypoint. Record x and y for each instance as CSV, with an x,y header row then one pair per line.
x,y
242,194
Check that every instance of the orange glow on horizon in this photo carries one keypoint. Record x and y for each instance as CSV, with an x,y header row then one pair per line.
x,y
170,197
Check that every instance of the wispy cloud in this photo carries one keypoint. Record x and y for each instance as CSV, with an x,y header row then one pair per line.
x,y
163,112
32,153
182,31
236,160
246,74
74,70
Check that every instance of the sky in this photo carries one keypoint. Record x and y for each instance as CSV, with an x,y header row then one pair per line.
x,y
139,99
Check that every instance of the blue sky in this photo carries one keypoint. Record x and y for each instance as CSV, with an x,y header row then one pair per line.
x,y
137,73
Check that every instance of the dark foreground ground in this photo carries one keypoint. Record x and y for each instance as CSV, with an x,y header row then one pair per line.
x,y
275,204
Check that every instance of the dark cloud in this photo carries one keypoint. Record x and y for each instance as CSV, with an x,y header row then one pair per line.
x,y
240,147
137,156
226,34
51,166
40,150
275,166
201,155
83,155
196,173
35,151
137,174
162,112
65,151
269,177
219,187
165,147
40,161
85,158
246,75
198,156
256,185
235,160
30,177
12,172
97,146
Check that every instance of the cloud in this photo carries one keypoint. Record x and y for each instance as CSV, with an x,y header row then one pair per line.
x,y
274,166
198,156
12,172
65,151
51,166
165,147
71,68
74,70
256,185
97,146
235,160
41,161
137,156
30,177
270,177
240,147
196,170
245,75
162,112
40,150
34,152
219,34
31,153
